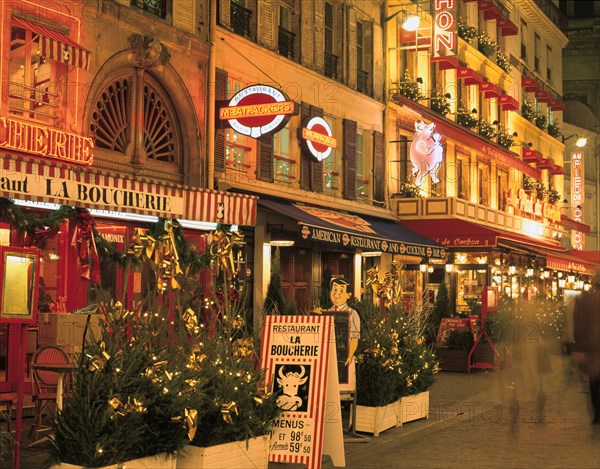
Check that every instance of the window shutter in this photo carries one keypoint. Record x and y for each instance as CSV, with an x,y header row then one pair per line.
x,y
264,168
305,179
224,13
351,49
220,94
307,28
377,62
350,128
378,168
319,31
184,15
316,167
266,24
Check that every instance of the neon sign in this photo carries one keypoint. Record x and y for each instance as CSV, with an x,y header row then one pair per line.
x,y
577,198
317,138
45,141
445,33
258,110
426,152
531,205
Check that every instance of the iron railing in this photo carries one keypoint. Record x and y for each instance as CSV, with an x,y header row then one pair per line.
x,y
331,65
240,19
362,83
285,43
156,7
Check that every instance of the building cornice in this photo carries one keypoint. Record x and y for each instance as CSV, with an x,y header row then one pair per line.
x,y
533,14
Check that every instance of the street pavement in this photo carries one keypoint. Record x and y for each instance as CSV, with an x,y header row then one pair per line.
x,y
520,417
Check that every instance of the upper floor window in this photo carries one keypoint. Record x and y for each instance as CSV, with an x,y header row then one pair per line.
x,y
115,112
331,174
156,7
284,167
286,38
240,17
523,40
536,52
362,168
39,59
462,178
330,59
238,149
549,63
363,57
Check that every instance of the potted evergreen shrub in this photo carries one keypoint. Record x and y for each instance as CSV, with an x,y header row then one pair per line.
x,y
554,130
487,46
466,32
506,139
503,61
528,111
439,103
553,195
486,129
541,121
410,88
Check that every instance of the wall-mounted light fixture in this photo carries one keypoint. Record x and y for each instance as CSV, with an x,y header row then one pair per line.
x,y
423,266
371,254
410,22
581,141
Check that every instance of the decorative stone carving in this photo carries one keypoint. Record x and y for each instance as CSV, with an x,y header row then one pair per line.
x,y
148,52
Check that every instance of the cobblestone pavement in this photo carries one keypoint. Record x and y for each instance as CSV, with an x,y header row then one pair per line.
x,y
514,418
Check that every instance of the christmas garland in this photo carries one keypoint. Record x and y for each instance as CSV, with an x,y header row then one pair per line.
x,y
40,227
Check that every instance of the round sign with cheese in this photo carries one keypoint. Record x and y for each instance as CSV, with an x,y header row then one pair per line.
x,y
258,110
317,138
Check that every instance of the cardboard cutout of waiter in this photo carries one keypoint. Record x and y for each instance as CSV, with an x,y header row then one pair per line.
x,y
347,331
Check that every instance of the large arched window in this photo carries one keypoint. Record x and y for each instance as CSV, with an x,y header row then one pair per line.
x,y
133,122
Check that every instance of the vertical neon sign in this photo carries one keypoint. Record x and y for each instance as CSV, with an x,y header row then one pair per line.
x,y
445,40
577,198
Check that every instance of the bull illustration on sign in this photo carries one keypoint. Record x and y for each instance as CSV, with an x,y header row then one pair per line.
x,y
426,152
290,382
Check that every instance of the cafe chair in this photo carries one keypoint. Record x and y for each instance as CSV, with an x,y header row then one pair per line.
x,y
45,382
7,404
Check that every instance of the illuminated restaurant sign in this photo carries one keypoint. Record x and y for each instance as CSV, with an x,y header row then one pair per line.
x,y
445,34
45,141
258,110
577,198
531,205
426,152
317,138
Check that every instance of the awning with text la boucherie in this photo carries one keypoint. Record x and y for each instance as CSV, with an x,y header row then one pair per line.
x,y
34,180
57,46
349,230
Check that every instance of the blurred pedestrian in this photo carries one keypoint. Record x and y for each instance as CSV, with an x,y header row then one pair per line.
x,y
587,340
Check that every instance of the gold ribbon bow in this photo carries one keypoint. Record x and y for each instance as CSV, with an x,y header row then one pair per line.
x,y
227,410
191,321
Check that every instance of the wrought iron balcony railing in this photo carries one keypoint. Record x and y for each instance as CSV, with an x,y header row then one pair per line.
x,y
156,7
240,19
285,43
362,83
331,65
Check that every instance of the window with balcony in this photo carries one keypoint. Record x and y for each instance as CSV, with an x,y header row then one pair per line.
x,y
37,84
331,174
284,167
155,7
240,18
331,60
483,176
363,47
238,147
286,39
524,41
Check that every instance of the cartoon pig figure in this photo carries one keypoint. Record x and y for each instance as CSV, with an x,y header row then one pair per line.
x,y
426,152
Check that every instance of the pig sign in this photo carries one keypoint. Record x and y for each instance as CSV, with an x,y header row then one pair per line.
x,y
426,152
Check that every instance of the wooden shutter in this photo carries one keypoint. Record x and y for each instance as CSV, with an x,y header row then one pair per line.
x,y
307,28
350,128
316,167
319,31
220,94
266,24
378,168
377,62
264,167
224,13
184,15
351,49
305,177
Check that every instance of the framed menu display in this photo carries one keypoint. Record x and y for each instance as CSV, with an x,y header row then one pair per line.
x,y
19,276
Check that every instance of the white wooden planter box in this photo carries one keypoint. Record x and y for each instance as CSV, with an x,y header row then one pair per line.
x,y
378,419
415,407
253,454
159,461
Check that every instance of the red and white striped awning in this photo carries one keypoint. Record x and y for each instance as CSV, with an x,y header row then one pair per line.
x,y
57,46
29,179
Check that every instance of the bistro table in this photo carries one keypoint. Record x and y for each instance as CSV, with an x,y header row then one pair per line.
x,y
60,369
